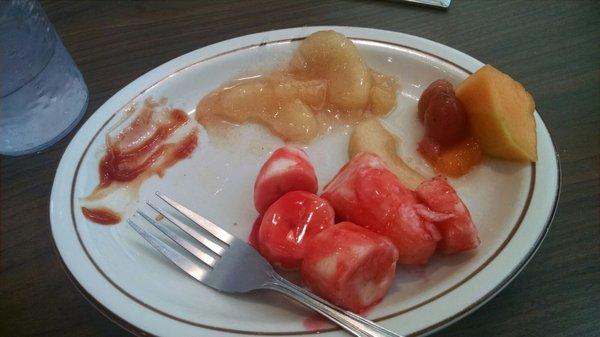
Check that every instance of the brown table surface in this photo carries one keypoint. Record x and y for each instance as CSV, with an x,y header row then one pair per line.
x,y
550,46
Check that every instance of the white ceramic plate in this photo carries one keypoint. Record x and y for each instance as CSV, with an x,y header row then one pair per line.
x,y
512,204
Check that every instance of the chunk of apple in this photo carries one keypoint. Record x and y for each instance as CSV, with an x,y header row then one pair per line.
x,y
371,136
332,56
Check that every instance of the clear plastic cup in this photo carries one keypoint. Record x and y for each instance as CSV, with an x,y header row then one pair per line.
x,y
42,93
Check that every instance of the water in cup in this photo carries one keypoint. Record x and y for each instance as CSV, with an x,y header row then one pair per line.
x,y
42,93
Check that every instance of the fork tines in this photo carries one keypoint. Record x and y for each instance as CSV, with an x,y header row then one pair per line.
x,y
176,257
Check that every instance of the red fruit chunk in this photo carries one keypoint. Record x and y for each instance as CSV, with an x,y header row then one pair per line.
x,y
439,86
288,169
458,232
446,119
429,149
365,192
350,266
289,224
253,236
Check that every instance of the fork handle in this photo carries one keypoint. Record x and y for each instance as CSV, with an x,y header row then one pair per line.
x,y
354,324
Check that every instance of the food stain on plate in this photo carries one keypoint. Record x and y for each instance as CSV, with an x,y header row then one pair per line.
x,y
101,215
155,139
316,323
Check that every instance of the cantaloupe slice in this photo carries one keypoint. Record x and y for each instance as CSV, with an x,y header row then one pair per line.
x,y
500,113
371,136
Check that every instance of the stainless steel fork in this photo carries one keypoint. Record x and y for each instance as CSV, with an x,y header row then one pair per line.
x,y
234,258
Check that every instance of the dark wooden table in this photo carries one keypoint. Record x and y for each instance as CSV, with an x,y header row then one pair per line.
x,y
550,46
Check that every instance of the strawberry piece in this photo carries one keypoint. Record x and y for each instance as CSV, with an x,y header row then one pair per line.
x,y
288,169
366,193
350,266
289,224
458,232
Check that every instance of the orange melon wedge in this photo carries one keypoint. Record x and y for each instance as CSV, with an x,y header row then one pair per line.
x,y
500,113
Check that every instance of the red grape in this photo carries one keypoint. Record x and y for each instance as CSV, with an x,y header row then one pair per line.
x,y
432,90
445,119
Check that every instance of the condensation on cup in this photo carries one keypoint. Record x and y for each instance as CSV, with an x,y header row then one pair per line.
x,y
42,93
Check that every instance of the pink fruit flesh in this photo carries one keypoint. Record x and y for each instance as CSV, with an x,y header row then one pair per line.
x,y
366,193
289,224
350,266
288,169
458,232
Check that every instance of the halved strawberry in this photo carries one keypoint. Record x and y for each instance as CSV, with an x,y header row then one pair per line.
x,y
289,224
365,192
288,169
458,232
350,266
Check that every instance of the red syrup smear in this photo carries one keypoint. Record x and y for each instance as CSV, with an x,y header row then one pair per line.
x,y
175,152
102,215
135,154
126,165
317,322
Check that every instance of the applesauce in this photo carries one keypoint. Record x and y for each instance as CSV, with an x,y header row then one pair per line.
x,y
326,83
